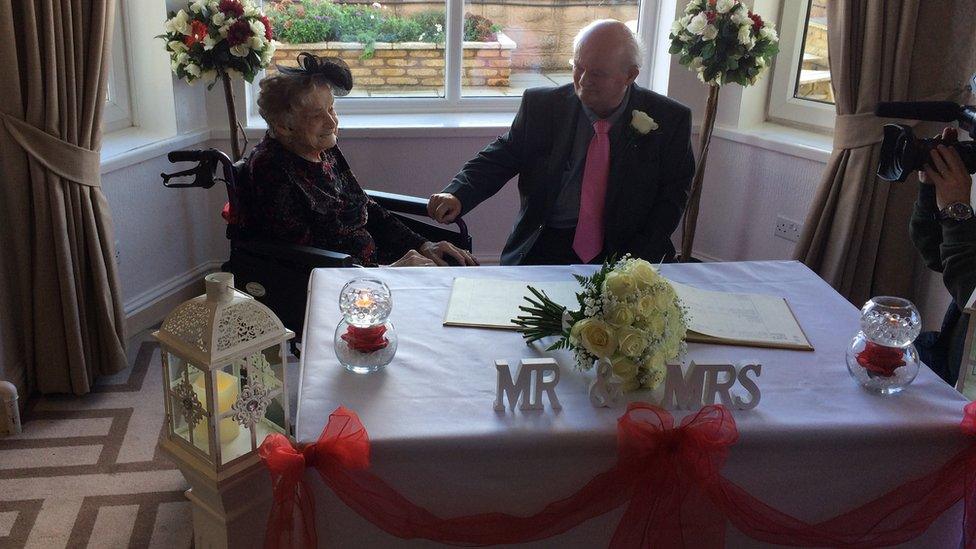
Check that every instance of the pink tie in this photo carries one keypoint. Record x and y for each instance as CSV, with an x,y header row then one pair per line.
x,y
589,228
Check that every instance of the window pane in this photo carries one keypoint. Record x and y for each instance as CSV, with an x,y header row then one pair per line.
x,y
813,78
393,49
511,46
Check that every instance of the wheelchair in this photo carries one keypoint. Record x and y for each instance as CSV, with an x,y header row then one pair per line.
x,y
274,272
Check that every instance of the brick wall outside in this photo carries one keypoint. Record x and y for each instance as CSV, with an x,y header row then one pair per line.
x,y
412,64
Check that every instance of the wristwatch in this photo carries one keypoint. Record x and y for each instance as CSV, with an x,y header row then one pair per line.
x,y
956,211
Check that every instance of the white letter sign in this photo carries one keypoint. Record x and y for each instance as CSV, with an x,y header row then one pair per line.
x,y
533,377
702,383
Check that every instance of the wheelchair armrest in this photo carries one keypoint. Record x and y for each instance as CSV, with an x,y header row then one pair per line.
x,y
310,256
412,205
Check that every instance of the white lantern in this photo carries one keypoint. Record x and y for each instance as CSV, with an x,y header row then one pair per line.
x,y
224,356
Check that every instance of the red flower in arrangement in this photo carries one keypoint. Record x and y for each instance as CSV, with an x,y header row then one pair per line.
x,y
710,15
267,27
366,340
880,360
198,31
232,7
757,22
711,3
239,32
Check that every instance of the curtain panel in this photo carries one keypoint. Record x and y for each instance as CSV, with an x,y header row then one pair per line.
x,y
61,321
856,233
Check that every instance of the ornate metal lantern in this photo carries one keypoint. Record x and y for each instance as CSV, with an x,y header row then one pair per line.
x,y
224,356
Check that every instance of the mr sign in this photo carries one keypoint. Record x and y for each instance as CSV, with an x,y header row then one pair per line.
x,y
533,377
702,383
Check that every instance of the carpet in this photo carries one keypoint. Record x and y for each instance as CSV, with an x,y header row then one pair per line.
x,y
87,472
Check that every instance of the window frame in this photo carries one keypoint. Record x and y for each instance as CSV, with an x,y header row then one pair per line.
x,y
117,111
453,101
782,106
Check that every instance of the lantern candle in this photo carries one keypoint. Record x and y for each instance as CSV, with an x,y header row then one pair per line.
x,y
227,391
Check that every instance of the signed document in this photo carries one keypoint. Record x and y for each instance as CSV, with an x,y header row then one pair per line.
x,y
741,319
493,303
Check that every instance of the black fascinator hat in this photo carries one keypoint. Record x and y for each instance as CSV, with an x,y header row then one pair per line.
x,y
332,69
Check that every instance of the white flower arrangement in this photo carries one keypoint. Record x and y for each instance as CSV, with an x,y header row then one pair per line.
x,y
211,37
723,42
629,314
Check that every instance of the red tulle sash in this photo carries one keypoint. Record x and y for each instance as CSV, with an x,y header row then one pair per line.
x,y
669,478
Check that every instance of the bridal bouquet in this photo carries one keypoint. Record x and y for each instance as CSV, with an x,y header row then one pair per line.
x,y
723,41
628,314
210,37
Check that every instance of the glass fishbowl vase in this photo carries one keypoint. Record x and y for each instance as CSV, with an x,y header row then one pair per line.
x,y
882,357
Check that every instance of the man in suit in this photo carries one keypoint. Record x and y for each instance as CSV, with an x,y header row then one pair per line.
x,y
604,165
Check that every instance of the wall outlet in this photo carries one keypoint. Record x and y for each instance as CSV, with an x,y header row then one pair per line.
x,y
787,229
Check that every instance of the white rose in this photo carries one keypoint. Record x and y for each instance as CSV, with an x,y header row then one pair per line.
x,y
218,19
768,33
697,24
631,342
619,284
723,6
642,122
740,17
644,272
694,5
176,46
267,54
251,11
677,27
620,315
225,28
198,6
209,42
626,369
256,42
240,50
193,69
710,32
257,27
745,36
596,336
182,58
180,23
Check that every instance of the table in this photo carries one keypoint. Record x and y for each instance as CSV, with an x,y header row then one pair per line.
x,y
817,444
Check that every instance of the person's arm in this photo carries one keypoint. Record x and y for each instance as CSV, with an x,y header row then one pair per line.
x,y
485,174
924,228
393,238
677,171
959,258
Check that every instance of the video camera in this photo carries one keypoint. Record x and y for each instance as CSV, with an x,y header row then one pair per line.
x,y
902,153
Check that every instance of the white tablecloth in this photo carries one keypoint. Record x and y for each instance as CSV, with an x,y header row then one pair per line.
x,y
816,446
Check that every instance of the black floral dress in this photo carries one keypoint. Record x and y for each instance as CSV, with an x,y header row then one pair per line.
x,y
287,197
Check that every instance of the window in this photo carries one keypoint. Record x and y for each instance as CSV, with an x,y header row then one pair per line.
x,y
461,55
117,113
800,92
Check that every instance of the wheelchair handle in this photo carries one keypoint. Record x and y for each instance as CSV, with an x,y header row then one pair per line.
x,y
186,156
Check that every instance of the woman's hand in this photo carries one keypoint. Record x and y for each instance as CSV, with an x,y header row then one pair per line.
x,y
948,173
443,207
413,259
436,253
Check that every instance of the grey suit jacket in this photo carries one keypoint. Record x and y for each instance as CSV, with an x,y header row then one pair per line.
x,y
649,174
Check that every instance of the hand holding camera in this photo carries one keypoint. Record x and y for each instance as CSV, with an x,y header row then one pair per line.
x,y
947,171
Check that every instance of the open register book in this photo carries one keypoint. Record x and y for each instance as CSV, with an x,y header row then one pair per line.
x,y
714,317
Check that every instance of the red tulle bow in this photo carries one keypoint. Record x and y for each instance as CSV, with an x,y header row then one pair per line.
x,y
343,443
366,340
667,466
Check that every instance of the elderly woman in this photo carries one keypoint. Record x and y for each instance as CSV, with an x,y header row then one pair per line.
x,y
301,189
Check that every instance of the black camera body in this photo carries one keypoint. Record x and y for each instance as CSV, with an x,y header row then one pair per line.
x,y
902,153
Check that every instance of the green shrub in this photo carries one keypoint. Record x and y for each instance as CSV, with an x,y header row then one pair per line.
x,y
321,21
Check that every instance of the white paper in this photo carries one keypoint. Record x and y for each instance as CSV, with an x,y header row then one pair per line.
x,y
493,303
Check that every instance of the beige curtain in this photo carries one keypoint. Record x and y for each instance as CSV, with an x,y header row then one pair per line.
x,y
856,233
61,323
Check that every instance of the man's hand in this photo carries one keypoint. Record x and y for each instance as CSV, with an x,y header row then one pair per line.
x,y
436,253
948,173
443,207
413,259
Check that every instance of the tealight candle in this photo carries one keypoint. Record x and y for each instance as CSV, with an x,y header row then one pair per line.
x,y
364,340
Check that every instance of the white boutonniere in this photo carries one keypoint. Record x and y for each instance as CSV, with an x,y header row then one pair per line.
x,y
642,123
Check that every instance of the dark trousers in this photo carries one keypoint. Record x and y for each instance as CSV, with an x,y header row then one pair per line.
x,y
555,247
